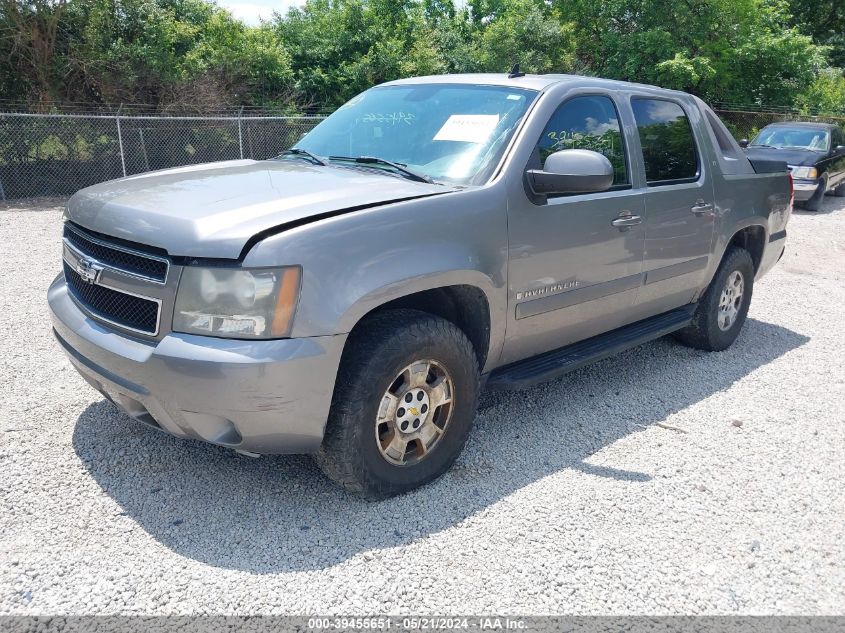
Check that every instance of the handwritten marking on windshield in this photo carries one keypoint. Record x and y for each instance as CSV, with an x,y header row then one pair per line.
x,y
393,118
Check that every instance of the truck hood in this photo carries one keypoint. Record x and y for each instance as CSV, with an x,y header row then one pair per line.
x,y
797,157
212,210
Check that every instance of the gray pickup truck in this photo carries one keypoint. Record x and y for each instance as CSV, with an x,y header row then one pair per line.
x,y
433,237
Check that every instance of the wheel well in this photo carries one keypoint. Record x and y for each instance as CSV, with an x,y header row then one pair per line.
x,y
465,306
752,239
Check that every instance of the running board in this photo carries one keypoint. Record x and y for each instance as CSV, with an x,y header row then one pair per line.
x,y
554,364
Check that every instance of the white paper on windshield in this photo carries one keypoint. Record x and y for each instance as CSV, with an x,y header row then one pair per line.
x,y
469,128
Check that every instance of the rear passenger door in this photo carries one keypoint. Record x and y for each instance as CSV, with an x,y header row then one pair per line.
x,y
680,206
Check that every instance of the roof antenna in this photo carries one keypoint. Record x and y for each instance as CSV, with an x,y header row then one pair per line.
x,y
515,72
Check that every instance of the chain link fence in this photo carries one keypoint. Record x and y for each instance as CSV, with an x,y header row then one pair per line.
x,y
58,154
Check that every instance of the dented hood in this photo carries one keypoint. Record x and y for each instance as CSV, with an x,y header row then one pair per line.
x,y
212,210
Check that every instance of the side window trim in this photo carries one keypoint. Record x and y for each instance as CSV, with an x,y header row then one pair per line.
x,y
626,152
699,171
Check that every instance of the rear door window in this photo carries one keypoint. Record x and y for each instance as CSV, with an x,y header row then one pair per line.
x,y
669,152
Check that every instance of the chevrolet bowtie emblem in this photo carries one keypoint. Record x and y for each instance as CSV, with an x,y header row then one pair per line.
x,y
88,270
413,410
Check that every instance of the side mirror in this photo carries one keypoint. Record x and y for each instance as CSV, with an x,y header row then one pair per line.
x,y
840,149
572,171
743,143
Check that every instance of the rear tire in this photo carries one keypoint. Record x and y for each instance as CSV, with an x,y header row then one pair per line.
x,y
723,307
377,444
839,191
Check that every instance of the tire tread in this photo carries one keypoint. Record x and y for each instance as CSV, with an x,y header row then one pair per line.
x,y
703,332
380,335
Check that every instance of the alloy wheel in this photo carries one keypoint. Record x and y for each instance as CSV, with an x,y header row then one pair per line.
x,y
730,301
414,413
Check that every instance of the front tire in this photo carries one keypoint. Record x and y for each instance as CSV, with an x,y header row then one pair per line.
x,y
814,203
403,406
723,307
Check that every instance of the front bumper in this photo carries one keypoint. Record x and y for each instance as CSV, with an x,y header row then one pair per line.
x,y
805,188
254,396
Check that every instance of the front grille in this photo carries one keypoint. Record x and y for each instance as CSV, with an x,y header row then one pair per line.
x,y
116,257
117,307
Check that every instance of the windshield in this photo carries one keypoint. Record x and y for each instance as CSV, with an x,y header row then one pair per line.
x,y
817,139
449,133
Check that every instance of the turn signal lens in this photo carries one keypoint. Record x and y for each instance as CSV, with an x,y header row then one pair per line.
x,y
286,302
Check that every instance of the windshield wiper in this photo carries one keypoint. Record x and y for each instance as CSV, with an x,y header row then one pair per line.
x,y
762,145
295,151
372,160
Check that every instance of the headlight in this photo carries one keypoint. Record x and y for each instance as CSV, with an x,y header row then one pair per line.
x,y
804,172
236,302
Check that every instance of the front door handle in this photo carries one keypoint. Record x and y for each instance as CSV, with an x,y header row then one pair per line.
x,y
701,207
624,221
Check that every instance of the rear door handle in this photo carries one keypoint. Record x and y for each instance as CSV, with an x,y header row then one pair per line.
x,y
701,207
627,220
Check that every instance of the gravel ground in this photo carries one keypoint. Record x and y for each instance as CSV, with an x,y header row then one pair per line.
x,y
661,481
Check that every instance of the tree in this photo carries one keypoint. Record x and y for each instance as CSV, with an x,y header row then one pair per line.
x,y
173,53
740,51
248,65
326,40
824,21
191,54
30,34
825,95
528,32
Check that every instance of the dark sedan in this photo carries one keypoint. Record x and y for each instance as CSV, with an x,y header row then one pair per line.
x,y
815,153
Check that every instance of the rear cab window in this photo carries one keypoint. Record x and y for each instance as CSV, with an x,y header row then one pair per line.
x,y
670,155
732,160
724,142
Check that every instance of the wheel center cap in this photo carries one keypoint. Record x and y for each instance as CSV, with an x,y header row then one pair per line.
x,y
413,410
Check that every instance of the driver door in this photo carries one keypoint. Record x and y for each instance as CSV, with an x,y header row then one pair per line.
x,y
574,267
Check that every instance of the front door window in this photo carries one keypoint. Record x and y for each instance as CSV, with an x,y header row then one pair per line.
x,y
588,122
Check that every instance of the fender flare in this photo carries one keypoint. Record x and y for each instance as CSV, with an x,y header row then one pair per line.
x,y
721,244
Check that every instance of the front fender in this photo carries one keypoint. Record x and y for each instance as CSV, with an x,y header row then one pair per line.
x,y
383,286
355,262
